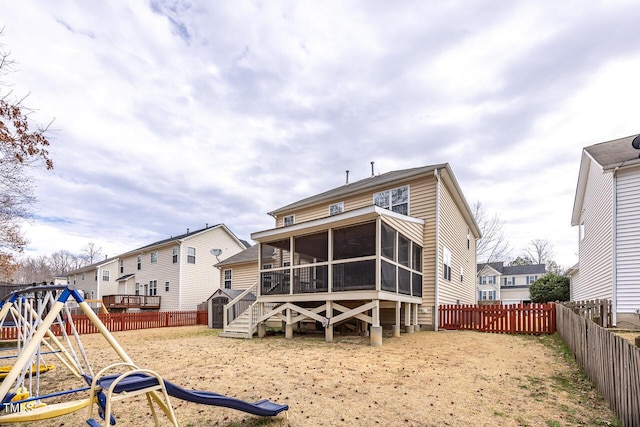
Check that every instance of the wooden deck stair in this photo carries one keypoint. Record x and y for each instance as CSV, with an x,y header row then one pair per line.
x,y
239,328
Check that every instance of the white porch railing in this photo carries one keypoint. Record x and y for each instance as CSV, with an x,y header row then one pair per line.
x,y
239,305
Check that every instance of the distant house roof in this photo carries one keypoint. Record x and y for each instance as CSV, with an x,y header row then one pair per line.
x,y
367,184
514,269
495,265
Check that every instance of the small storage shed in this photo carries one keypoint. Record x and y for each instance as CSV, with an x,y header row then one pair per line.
x,y
216,303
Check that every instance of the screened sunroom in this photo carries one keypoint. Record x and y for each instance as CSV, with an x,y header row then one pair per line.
x,y
369,253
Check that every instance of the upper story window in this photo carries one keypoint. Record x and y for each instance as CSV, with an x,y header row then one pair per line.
x,y
83,276
174,255
336,208
227,279
105,275
154,256
121,263
531,279
139,262
510,281
487,280
191,255
289,220
468,239
396,200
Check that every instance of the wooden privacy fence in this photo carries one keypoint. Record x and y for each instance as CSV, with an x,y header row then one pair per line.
x,y
508,319
598,310
123,322
611,362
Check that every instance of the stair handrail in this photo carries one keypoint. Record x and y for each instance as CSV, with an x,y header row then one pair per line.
x,y
235,301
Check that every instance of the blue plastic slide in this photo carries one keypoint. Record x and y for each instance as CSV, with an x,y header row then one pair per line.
x,y
263,408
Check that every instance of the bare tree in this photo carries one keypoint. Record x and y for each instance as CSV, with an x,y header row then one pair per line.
x,y
539,251
90,253
62,262
493,246
20,150
33,270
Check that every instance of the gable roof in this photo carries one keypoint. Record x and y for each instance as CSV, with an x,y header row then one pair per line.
x,y
514,269
609,156
367,184
248,255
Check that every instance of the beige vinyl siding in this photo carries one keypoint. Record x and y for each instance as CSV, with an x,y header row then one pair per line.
x,y
517,294
628,241
410,230
453,236
595,249
202,279
109,287
242,275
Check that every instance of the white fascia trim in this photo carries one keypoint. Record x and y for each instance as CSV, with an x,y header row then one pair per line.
x,y
372,211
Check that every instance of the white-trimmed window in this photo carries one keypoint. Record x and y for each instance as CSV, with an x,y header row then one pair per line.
x,y
531,279
154,257
139,262
510,281
227,278
289,220
105,275
166,286
446,263
489,295
174,255
396,200
191,255
336,208
491,280
468,239
121,264
84,276
153,287
137,288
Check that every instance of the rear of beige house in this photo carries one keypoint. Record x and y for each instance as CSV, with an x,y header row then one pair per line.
x,y
436,216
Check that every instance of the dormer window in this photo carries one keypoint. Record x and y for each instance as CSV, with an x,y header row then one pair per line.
x,y
289,220
396,200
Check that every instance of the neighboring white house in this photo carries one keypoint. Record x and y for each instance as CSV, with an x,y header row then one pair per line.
x,y
606,211
507,284
176,273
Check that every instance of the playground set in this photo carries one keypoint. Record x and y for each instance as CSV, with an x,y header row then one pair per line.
x,y
46,330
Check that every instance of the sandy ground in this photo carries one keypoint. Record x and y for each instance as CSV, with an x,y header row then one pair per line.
x,y
422,379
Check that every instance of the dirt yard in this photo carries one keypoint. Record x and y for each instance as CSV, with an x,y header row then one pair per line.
x,y
421,379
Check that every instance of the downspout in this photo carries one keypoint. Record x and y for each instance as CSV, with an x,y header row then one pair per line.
x,y
180,277
436,312
614,251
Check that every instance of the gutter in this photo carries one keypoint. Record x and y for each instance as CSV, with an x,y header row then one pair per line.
x,y
614,252
436,313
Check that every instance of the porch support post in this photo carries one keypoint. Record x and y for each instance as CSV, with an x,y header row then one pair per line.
x,y
328,331
376,329
408,308
416,327
396,327
288,328
262,326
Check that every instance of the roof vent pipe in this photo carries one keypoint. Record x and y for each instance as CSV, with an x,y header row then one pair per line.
x,y
372,173
347,171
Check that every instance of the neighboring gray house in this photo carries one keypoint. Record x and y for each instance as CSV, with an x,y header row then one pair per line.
x,y
507,284
606,211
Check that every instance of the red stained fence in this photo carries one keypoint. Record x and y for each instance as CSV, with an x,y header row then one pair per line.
x,y
124,322
533,319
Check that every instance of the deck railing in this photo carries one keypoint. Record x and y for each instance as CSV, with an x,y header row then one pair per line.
x,y
132,301
239,305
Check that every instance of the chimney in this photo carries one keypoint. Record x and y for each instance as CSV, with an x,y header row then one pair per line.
x,y
347,177
187,231
206,225
372,173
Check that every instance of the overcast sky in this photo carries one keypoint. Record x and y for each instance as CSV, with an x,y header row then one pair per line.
x,y
173,114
